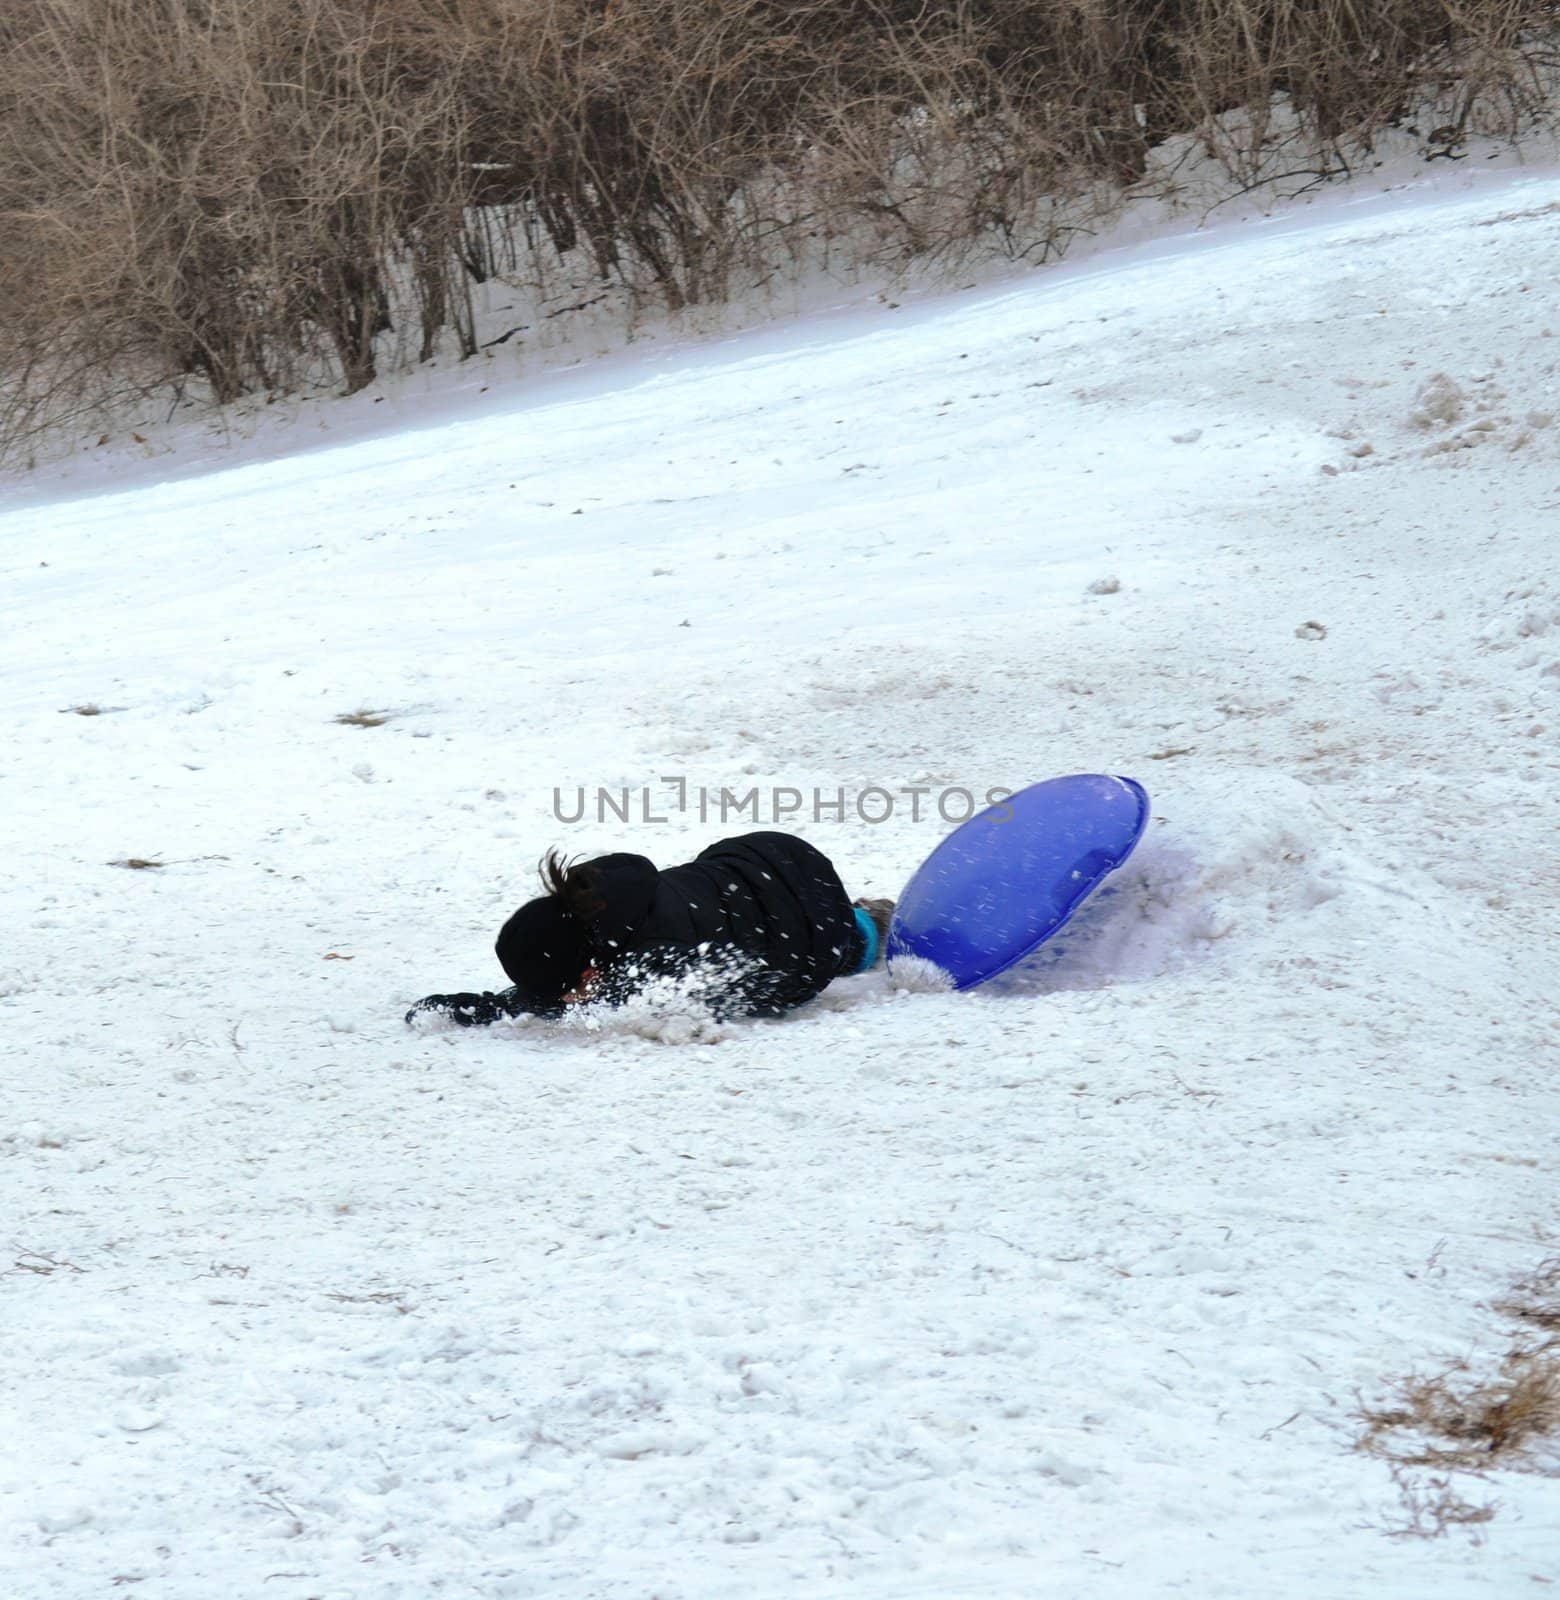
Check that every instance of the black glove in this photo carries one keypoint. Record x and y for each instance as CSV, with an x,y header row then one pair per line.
x,y
469,1010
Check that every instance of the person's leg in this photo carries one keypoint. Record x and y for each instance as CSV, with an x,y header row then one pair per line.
x,y
873,918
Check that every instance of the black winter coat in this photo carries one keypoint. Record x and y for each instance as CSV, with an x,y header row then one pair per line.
x,y
762,919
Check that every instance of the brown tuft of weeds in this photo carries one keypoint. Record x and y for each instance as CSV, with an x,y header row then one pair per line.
x,y
138,863
1457,1421
363,719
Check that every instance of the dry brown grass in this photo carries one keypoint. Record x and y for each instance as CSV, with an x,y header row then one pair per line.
x,y
236,196
1455,1419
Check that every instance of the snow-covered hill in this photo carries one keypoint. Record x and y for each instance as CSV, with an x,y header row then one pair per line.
x,y
1068,1287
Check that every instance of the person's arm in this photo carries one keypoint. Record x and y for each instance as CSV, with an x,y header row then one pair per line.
x,y
470,1010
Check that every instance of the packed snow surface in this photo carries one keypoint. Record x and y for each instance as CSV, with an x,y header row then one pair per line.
x,y
1069,1286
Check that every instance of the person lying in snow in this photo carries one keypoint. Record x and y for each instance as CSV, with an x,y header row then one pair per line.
x,y
753,926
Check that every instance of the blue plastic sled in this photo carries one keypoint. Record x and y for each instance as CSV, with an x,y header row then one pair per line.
x,y
1007,880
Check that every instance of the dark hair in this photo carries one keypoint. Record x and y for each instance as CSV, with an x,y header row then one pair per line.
x,y
571,885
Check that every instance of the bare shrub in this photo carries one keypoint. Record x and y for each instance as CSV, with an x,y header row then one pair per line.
x,y
1535,1300
221,197
1433,1506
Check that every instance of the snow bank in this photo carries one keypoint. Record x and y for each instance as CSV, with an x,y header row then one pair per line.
x,y
1065,1286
